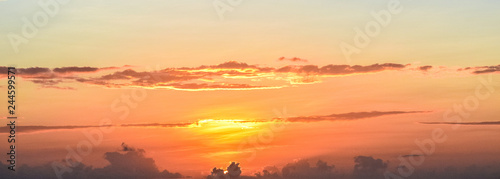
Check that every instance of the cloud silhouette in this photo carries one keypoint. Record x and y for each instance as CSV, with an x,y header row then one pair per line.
x,y
75,69
485,69
128,163
465,123
233,171
425,68
368,167
302,169
412,155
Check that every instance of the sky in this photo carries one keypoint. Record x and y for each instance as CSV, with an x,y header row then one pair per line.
x,y
176,88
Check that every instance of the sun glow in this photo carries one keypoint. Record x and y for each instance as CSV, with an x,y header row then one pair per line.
x,y
226,123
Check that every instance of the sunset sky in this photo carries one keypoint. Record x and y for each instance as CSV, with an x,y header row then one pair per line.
x,y
264,84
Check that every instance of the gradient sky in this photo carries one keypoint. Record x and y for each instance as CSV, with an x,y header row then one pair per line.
x,y
223,81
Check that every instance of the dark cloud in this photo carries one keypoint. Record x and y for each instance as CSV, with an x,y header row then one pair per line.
x,y
364,168
368,167
232,171
451,172
485,69
130,163
425,68
75,69
465,123
340,69
46,82
294,59
32,70
349,116
269,172
28,129
125,164
412,155
47,78
302,169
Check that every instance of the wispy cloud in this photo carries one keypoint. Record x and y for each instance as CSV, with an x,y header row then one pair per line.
x,y
465,123
29,129
482,69
294,59
220,122
349,116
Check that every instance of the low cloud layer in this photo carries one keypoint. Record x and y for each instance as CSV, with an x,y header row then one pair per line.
x,y
368,167
29,129
200,123
128,163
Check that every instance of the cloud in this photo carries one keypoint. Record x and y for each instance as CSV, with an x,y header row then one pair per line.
x,y
60,87
412,155
218,77
294,59
128,163
368,167
349,116
465,123
50,83
158,125
29,129
50,78
32,70
485,69
75,69
452,172
199,123
302,169
215,77
425,68
269,172
46,82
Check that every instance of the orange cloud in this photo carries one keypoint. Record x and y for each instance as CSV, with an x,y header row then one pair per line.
x,y
230,75
294,59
